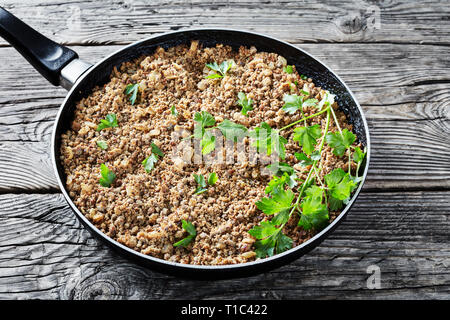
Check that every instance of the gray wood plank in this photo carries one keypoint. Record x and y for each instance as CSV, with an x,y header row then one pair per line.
x,y
46,253
399,72
407,105
107,22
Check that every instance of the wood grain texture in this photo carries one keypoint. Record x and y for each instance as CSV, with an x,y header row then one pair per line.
x,y
400,74
46,253
124,21
409,119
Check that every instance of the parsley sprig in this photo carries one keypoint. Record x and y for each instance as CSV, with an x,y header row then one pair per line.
x,y
293,102
151,160
307,137
205,124
288,69
102,144
202,182
221,69
107,176
313,198
340,141
132,91
189,227
358,157
110,121
245,103
174,111
268,140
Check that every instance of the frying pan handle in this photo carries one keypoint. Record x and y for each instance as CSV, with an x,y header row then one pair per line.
x,y
46,56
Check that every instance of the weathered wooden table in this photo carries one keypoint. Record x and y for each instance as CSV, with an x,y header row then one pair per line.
x,y
394,55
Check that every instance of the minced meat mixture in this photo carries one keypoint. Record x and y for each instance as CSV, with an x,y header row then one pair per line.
x,y
143,210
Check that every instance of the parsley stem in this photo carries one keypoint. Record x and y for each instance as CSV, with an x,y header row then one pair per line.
x,y
303,115
301,191
304,119
349,162
336,121
349,151
316,172
313,167
357,168
327,126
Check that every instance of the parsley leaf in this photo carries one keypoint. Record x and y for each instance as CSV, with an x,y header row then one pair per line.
x,y
245,103
108,176
303,77
280,169
303,158
271,240
102,145
283,243
132,91
310,102
326,101
208,140
335,204
173,111
340,142
156,150
280,218
232,131
334,177
281,200
263,230
358,155
202,183
276,182
221,69
314,213
110,121
205,119
212,179
266,247
288,69
314,191
264,138
339,184
307,137
149,162
292,103
189,227
305,161
214,76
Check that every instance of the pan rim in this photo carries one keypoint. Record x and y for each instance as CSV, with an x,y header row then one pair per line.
x,y
316,238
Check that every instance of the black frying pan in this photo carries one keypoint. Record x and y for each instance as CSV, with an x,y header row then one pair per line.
x,y
61,66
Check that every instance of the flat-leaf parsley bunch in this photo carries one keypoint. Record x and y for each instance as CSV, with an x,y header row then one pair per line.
x,y
313,198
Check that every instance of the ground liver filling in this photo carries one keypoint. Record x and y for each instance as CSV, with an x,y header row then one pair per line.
x,y
143,210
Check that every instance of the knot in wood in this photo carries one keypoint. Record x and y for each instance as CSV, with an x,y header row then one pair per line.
x,y
99,289
350,23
